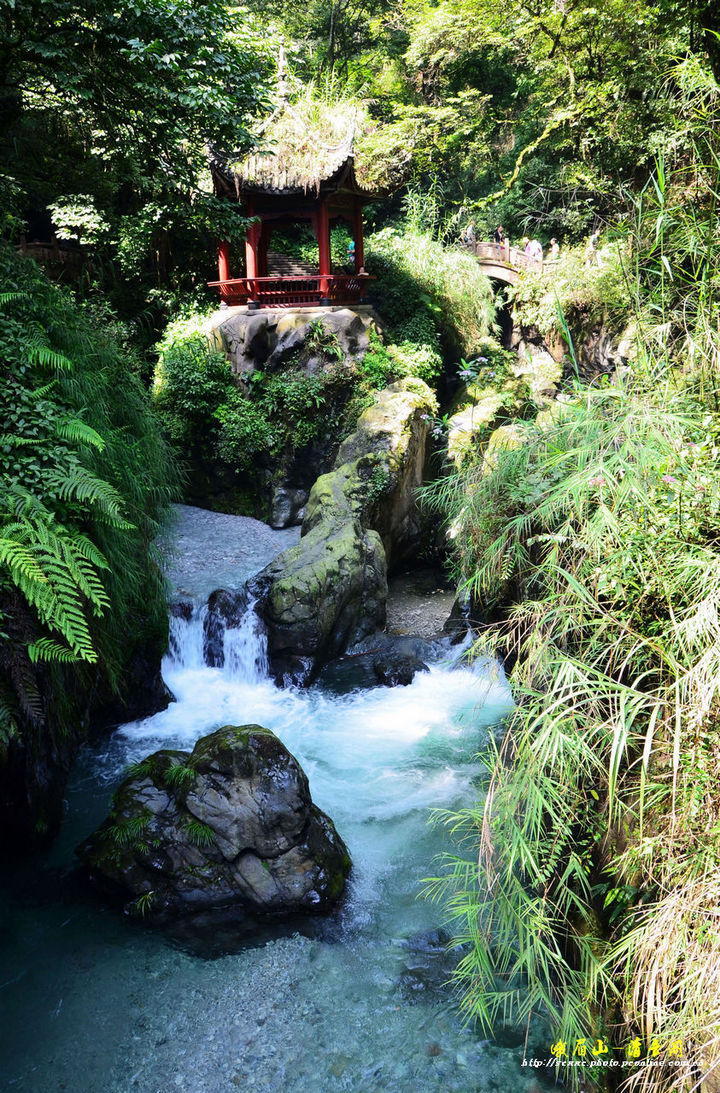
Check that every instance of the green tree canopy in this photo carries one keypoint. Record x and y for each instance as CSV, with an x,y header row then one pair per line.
x,y
107,112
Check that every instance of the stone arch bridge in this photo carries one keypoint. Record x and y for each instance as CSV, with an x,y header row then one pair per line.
x,y
503,262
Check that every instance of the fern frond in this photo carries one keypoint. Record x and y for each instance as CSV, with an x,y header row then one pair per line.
x,y
46,357
10,297
79,484
41,392
45,649
79,432
11,440
55,575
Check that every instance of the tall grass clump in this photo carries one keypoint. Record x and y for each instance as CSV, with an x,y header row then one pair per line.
x,y
416,272
588,893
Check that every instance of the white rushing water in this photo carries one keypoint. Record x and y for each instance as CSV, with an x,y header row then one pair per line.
x,y
354,1003
377,760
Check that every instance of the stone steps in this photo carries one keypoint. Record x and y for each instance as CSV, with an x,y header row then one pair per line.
x,y
283,265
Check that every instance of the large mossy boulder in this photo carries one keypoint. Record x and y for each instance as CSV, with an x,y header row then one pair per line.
x,y
380,466
330,590
231,824
320,596
266,340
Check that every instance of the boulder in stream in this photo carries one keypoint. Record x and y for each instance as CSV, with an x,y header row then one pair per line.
x,y
397,669
225,611
230,824
330,590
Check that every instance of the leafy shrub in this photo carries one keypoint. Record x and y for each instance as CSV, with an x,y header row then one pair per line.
x,y
217,428
191,382
601,531
378,367
576,289
417,276
244,431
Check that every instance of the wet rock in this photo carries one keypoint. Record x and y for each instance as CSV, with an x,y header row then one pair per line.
x,y
388,450
181,609
288,507
397,670
460,620
225,611
357,669
231,824
270,338
321,596
428,963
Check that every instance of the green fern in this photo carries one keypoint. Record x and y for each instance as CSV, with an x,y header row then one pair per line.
x,y
45,649
46,357
84,480
143,769
79,484
79,432
179,776
56,570
127,833
143,904
199,833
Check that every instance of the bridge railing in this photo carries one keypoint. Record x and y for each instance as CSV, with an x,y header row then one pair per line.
x,y
506,254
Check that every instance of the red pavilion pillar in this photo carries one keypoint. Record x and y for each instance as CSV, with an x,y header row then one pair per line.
x,y
223,260
323,238
358,237
252,260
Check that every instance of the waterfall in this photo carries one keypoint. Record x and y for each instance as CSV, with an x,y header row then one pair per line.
x,y
244,645
186,639
246,648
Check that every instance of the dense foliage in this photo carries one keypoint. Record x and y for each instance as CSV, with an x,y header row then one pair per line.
x,y
593,546
529,114
106,112
589,896
84,479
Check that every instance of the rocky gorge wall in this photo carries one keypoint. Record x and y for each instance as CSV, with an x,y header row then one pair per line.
x,y
329,591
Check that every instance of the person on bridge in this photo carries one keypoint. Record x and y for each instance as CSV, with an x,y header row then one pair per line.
x,y
468,236
499,238
534,250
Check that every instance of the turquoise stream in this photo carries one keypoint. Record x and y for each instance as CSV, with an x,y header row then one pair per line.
x,y
93,1002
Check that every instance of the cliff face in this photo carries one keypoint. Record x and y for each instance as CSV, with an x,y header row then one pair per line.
x,y
61,706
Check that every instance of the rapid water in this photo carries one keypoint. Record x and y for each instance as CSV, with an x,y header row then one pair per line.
x,y
356,1002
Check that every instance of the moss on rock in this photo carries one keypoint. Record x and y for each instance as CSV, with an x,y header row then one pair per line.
x,y
246,833
330,589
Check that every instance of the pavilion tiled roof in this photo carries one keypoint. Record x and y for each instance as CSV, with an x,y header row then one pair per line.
x,y
296,154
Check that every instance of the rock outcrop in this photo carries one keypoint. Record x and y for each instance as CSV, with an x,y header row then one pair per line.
x,y
397,670
598,347
225,610
231,824
329,591
483,404
268,339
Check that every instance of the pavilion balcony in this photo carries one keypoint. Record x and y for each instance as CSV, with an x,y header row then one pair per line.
x,y
288,291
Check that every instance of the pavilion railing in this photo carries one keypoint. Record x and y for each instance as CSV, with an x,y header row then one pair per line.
x,y
293,291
